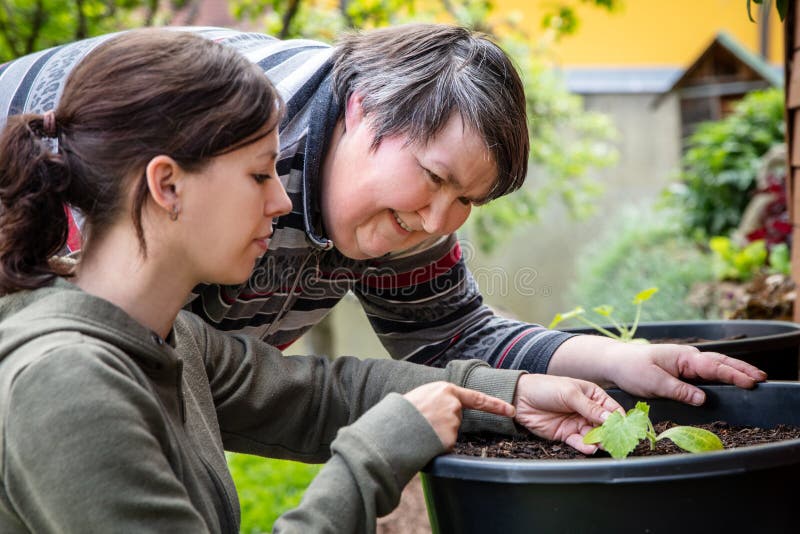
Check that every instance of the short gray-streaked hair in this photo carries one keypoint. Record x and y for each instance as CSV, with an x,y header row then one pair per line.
x,y
414,77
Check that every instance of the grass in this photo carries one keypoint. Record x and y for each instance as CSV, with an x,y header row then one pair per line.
x,y
268,488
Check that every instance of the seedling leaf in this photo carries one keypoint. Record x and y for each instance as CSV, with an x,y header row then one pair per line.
x,y
605,310
595,435
566,315
620,434
644,295
692,439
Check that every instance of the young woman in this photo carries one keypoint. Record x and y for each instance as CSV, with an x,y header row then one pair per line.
x,y
115,406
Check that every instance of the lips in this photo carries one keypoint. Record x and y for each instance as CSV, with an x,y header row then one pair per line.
x,y
402,224
263,241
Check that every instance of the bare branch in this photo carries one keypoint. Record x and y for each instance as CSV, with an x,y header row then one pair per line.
x,y
289,14
152,9
343,4
36,27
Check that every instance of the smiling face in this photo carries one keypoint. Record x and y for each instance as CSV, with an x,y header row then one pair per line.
x,y
397,195
228,209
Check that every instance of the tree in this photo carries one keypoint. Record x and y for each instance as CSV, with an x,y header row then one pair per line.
x,y
30,25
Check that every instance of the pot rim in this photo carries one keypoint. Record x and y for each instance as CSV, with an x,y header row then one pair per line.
x,y
624,471
789,330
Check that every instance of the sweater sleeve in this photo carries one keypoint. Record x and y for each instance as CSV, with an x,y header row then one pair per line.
x,y
346,412
372,460
292,406
426,308
81,449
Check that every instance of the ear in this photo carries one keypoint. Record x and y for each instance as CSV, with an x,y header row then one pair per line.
x,y
353,112
163,181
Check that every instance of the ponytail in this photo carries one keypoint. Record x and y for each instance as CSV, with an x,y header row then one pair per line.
x,y
33,189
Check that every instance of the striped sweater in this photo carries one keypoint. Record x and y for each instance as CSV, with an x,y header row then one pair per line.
x,y
423,303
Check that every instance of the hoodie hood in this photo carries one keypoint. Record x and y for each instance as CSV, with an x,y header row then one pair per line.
x,y
62,306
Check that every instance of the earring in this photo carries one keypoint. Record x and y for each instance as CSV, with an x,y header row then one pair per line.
x,y
173,213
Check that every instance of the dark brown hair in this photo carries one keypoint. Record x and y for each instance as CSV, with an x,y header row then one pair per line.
x,y
414,77
144,93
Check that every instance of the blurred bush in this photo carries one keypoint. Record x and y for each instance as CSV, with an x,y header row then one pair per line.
x,y
644,248
719,168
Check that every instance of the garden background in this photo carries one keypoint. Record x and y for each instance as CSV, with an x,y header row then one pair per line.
x,y
629,186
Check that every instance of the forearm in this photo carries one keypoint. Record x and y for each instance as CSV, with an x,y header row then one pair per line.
x,y
587,357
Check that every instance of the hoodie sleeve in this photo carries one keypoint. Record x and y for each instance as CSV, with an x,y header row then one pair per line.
x,y
347,412
292,406
81,448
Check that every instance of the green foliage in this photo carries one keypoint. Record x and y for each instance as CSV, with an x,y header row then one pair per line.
x,y
780,260
782,6
30,25
742,263
719,168
620,434
627,334
562,18
643,247
739,263
268,488
567,141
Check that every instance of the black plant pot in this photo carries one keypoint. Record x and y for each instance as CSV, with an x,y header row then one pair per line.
x,y
749,489
773,346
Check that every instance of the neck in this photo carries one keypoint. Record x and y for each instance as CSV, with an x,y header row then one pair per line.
x,y
150,290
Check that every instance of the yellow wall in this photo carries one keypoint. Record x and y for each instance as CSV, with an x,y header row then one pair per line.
x,y
650,32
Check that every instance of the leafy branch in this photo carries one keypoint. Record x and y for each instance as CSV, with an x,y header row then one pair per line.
x,y
781,5
620,434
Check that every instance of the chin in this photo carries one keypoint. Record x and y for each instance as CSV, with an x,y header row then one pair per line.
x,y
358,252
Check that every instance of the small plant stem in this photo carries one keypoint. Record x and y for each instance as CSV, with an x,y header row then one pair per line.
x,y
635,324
598,328
624,334
651,434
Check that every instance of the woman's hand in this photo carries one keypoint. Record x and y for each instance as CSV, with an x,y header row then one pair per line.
x,y
656,371
650,370
561,408
441,403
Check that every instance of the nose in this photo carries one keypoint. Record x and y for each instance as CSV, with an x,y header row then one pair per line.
x,y
277,202
444,215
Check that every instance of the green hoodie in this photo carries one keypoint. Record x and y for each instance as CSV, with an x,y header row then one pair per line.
x,y
108,428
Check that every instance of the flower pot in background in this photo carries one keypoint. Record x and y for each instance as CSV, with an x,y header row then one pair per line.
x,y
749,489
773,346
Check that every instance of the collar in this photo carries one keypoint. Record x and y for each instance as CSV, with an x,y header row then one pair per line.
x,y
324,114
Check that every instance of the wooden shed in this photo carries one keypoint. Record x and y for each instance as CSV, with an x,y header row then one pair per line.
x,y
720,76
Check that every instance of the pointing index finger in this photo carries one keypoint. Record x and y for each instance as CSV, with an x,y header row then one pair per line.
x,y
476,400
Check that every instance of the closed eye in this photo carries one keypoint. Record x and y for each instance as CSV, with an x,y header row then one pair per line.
x,y
435,178
261,178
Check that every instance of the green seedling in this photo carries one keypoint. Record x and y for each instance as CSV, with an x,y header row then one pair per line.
x,y
626,333
620,434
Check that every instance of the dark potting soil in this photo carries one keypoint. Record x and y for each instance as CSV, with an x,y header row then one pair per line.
x,y
534,448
